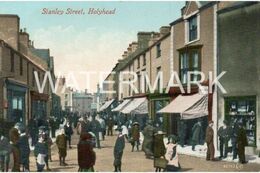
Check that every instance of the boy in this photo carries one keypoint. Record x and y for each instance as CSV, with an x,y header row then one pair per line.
x,y
61,142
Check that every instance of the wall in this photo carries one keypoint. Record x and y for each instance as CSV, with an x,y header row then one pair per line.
x,y
238,53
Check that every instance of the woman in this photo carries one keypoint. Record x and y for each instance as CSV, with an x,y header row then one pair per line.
x,y
118,150
171,155
86,154
159,150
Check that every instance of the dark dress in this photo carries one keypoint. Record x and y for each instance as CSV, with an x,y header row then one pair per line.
x,y
86,155
24,147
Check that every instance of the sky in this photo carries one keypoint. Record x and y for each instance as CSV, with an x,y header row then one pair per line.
x,y
83,43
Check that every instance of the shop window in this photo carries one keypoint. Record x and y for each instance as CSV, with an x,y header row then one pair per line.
x,y
243,109
190,62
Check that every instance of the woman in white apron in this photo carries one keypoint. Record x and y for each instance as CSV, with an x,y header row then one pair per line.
x,y
171,155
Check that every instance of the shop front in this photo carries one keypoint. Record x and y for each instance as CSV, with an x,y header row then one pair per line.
x,y
39,105
242,109
16,109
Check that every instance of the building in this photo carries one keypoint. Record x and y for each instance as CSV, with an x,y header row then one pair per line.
x,y
81,102
20,98
239,56
65,93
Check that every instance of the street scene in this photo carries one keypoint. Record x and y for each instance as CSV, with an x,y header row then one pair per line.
x,y
130,86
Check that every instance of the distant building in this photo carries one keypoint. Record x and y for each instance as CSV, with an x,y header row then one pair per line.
x,y
81,102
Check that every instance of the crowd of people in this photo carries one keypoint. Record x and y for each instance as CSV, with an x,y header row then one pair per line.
x,y
92,128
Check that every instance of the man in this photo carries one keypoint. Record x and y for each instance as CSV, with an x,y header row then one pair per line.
x,y
159,148
234,139
14,138
182,132
196,130
135,138
68,132
61,142
224,137
33,130
110,125
148,139
24,147
118,150
241,143
210,142
52,127
96,128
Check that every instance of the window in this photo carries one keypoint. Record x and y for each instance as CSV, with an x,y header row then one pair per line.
x,y
139,81
193,29
158,69
33,77
12,61
138,62
158,50
189,62
21,66
242,110
144,59
144,80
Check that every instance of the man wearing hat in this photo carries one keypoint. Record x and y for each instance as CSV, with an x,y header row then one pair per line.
x,y
224,137
210,142
135,131
118,150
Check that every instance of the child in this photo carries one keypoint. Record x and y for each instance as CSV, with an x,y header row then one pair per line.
x,y
172,155
61,142
40,152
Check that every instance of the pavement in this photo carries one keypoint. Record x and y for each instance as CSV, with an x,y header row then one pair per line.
x,y
136,161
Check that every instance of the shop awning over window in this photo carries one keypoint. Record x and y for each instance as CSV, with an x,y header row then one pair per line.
x,y
142,108
135,105
121,106
106,105
189,107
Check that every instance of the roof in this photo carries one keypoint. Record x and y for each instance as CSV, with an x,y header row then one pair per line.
x,y
21,54
237,5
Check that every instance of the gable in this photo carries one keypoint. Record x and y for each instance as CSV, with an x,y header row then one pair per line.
x,y
191,7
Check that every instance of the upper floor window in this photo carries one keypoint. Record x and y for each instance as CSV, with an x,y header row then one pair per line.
x,y
144,59
190,62
21,66
138,62
193,28
158,70
158,50
33,77
12,61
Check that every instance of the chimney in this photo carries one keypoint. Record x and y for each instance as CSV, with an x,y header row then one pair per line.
x,y
10,30
143,39
124,55
134,46
165,30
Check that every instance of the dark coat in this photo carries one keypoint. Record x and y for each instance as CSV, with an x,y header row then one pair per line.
x,y
14,135
40,148
241,137
196,131
209,135
61,141
95,126
135,133
118,150
24,147
68,130
159,147
86,155
148,140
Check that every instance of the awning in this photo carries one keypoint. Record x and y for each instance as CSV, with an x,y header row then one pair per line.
x,y
189,107
121,105
134,104
106,105
142,108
